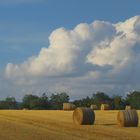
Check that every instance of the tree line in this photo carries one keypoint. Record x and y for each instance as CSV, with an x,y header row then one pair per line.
x,y
55,101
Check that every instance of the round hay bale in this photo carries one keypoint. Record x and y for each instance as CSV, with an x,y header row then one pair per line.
x,y
68,106
128,107
127,118
83,116
25,109
104,107
94,107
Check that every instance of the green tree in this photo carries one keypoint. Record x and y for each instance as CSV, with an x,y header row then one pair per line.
x,y
44,102
58,99
36,102
3,105
30,101
85,102
133,99
9,103
118,102
101,98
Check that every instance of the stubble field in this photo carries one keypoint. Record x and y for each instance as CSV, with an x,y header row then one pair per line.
x,y
58,125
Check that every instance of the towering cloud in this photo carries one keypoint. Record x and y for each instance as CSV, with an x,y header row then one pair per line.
x,y
68,51
95,51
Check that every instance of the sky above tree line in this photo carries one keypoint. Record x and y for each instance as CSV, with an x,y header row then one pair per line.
x,y
77,46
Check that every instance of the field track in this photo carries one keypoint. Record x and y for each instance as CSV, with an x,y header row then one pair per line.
x,y
58,125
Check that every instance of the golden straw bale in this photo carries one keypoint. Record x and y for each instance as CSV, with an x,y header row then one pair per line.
x,y
127,118
68,106
104,107
25,109
94,107
83,116
127,107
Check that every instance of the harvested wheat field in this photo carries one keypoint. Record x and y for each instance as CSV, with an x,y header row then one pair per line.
x,y
58,125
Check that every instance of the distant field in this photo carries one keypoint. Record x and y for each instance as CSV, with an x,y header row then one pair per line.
x,y
58,125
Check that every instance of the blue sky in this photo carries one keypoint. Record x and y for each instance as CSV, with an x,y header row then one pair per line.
x,y
25,28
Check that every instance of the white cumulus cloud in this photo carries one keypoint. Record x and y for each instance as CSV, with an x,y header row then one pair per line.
x,y
67,51
100,52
